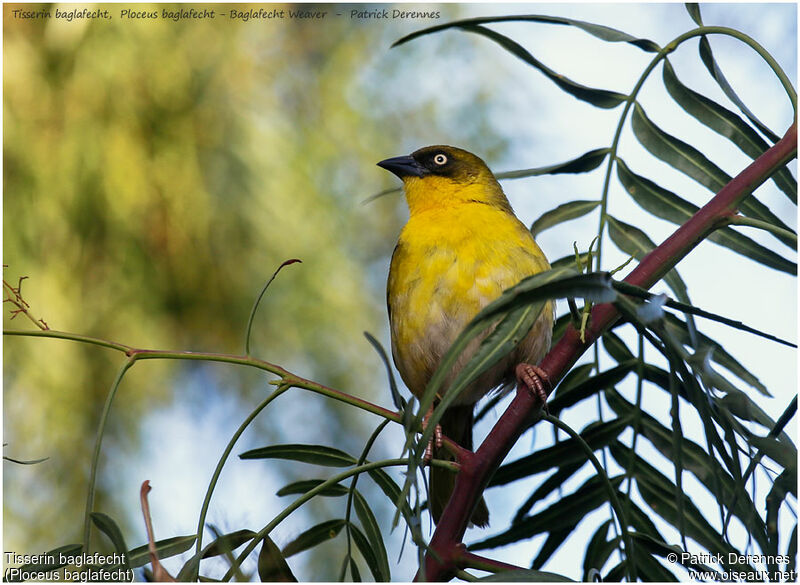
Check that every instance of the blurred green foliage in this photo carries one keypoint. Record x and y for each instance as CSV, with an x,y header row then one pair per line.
x,y
155,175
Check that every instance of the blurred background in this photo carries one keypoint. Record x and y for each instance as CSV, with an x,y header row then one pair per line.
x,y
156,173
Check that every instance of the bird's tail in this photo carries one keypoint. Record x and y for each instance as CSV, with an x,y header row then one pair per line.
x,y
456,425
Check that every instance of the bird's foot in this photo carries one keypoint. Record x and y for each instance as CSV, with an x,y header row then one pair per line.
x,y
534,378
435,440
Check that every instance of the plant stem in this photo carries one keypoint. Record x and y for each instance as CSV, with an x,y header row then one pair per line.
x,y
352,490
70,336
87,522
286,376
221,463
258,300
763,225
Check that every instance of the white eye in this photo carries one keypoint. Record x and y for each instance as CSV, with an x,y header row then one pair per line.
x,y
440,159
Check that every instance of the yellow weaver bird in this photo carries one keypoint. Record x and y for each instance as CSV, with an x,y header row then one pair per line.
x,y
461,248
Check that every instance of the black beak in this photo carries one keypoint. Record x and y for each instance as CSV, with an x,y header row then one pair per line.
x,y
402,166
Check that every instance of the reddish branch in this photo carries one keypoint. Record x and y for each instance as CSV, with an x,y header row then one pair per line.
x,y
160,574
477,468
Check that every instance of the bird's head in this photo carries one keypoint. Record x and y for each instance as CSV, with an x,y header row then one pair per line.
x,y
442,176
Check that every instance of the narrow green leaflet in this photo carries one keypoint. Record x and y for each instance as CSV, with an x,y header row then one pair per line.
x,y
693,8
371,556
577,375
169,547
616,348
227,543
272,566
651,567
709,414
597,435
386,483
313,536
711,65
316,454
785,484
677,153
781,453
637,517
666,205
586,162
689,387
303,486
726,123
707,57
662,549
742,406
600,98
654,492
614,575
611,490
677,329
392,491
189,569
562,213
566,512
572,395
633,241
713,115
354,570
599,549
700,362
372,531
551,544
694,164
636,243
552,483
223,544
397,398
605,33
110,529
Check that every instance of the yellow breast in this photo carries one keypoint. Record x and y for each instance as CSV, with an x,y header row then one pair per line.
x,y
451,261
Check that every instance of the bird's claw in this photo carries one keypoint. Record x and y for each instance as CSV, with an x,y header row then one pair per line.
x,y
534,379
435,440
